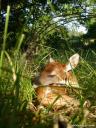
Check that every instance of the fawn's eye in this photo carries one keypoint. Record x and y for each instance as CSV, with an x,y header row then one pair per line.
x,y
50,75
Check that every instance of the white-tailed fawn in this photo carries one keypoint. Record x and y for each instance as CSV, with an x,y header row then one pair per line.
x,y
53,82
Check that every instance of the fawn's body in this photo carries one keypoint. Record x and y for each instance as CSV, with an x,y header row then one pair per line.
x,y
55,77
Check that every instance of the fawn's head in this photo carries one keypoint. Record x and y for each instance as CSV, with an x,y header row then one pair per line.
x,y
60,74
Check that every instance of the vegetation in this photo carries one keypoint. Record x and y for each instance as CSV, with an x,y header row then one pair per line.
x,y
31,32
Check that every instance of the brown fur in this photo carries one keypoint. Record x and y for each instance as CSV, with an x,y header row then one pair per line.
x,y
55,77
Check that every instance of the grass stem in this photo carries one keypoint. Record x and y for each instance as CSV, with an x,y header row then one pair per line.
x,y
4,37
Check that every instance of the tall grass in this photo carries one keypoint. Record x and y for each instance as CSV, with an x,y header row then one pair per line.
x,y
15,89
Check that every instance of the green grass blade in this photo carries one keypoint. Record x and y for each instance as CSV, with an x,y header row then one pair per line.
x,y
12,67
4,37
50,5
19,42
6,27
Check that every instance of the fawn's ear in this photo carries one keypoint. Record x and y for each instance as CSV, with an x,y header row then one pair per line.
x,y
51,60
73,62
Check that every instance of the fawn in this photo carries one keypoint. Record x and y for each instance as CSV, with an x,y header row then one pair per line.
x,y
55,77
